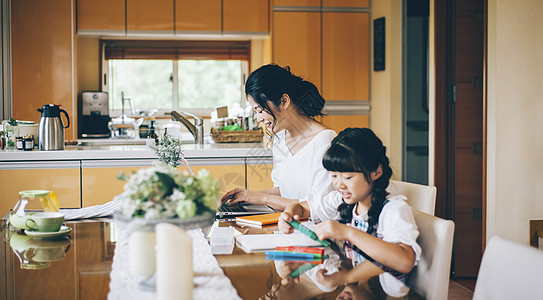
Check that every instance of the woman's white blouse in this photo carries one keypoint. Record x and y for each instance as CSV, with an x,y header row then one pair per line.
x,y
301,174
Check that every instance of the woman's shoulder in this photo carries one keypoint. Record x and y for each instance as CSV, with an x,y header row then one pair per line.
x,y
324,136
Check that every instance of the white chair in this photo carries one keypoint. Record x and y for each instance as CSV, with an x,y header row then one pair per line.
x,y
420,197
430,278
509,271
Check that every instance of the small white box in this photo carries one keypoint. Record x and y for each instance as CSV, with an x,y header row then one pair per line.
x,y
222,236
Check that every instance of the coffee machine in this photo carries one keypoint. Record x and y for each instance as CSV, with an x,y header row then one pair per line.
x,y
94,115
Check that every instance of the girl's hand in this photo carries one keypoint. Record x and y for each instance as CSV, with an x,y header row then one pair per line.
x,y
331,280
285,227
331,229
285,267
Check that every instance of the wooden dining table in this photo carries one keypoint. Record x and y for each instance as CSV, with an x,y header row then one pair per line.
x,y
78,265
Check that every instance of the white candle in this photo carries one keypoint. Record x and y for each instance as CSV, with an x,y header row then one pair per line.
x,y
142,253
174,263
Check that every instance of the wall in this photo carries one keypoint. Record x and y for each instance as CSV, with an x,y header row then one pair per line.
x,y
514,124
386,86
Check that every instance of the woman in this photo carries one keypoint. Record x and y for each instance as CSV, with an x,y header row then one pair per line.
x,y
287,106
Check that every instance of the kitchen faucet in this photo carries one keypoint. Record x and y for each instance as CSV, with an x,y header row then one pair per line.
x,y
197,130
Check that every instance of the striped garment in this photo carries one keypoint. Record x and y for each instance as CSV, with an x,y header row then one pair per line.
x,y
357,256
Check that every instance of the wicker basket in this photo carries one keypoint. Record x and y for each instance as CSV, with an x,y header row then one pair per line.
x,y
240,136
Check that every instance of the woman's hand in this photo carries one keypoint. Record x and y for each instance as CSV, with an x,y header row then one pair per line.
x,y
242,195
331,229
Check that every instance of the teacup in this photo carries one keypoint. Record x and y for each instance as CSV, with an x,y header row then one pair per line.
x,y
45,221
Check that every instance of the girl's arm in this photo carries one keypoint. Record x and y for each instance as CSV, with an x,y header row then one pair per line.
x,y
298,210
397,256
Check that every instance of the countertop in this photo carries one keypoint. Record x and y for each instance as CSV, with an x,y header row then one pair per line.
x,y
212,150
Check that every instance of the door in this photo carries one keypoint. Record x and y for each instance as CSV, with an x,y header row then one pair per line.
x,y
459,128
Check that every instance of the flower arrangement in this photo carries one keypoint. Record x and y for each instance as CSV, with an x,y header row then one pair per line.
x,y
162,192
169,150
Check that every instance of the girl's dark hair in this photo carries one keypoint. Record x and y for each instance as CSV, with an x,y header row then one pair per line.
x,y
360,150
270,82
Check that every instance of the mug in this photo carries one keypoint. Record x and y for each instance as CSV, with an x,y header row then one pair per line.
x,y
45,221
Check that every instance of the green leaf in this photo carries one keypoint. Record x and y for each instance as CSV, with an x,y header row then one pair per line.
x,y
122,176
167,182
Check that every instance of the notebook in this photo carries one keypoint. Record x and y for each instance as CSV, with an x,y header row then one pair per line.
x,y
262,242
242,209
259,220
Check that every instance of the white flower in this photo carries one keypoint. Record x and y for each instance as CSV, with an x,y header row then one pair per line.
x,y
163,192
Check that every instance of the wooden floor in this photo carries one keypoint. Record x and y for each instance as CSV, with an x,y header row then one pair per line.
x,y
461,289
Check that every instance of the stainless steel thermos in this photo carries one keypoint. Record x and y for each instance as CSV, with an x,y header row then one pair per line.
x,y
51,128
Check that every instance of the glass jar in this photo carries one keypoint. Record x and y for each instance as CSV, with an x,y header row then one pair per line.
x,y
32,201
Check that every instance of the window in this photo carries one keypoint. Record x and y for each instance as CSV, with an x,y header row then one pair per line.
x,y
171,76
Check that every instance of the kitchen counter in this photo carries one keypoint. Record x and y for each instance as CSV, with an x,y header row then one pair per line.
x,y
191,151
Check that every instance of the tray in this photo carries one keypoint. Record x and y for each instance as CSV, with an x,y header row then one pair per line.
x,y
241,136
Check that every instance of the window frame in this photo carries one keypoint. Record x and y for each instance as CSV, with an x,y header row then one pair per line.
x,y
165,112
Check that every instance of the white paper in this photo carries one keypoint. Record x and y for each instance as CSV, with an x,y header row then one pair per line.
x,y
262,242
174,263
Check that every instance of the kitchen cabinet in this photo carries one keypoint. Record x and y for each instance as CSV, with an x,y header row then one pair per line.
x,y
329,46
345,56
155,17
193,16
259,174
346,3
106,17
62,177
99,183
42,61
246,16
340,122
297,43
299,3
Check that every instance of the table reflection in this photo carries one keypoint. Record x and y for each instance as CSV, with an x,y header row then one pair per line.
x,y
76,266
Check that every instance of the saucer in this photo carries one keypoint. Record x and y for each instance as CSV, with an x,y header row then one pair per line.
x,y
45,235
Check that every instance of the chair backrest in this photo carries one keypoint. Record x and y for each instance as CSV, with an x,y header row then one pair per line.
x,y
430,278
420,197
509,271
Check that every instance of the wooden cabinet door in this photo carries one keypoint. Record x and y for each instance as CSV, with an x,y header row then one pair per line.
x,y
59,177
297,43
99,183
345,56
198,16
229,172
259,174
101,16
340,122
42,58
244,16
345,3
150,17
304,3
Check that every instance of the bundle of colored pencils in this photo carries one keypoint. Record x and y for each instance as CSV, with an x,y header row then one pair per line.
x,y
301,254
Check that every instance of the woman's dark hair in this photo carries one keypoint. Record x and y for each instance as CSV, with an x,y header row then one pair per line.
x,y
360,150
270,82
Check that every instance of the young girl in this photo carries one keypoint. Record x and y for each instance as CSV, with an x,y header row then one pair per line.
x,y
378,228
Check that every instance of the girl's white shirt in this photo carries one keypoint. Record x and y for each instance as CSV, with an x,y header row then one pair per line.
x,y
396,224
301,174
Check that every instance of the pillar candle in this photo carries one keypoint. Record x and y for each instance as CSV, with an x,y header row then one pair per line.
x,y
142,253
174,263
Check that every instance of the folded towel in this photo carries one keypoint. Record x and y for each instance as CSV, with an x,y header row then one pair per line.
x,y
96,211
